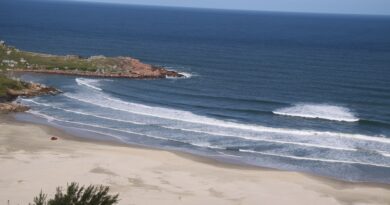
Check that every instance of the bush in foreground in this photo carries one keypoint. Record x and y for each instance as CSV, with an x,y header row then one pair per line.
x,y
76,195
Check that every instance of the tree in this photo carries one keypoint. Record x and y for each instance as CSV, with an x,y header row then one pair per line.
x,y
76,195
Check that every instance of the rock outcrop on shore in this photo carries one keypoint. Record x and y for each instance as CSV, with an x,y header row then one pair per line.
x,y
12,107
31,90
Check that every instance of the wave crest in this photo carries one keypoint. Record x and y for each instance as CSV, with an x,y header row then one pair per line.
x,y
88,83
319,111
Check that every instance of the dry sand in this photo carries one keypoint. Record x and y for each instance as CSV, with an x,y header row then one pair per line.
x,y
30,161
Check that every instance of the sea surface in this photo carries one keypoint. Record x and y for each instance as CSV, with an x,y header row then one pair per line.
x,y
301,92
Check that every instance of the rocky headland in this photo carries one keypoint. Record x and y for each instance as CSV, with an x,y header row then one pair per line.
x,y
12,59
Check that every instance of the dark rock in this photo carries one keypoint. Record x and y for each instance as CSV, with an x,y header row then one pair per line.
x,y
32,90
236,149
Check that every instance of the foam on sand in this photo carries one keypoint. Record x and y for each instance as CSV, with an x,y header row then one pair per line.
x,y
319,111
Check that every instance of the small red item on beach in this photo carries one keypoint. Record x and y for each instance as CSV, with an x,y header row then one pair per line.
x,y
54,138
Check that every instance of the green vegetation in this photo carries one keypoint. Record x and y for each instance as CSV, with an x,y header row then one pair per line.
x,y
75,195
7,83
11,58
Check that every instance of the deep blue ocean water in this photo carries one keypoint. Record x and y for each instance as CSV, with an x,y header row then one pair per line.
x,y
302,92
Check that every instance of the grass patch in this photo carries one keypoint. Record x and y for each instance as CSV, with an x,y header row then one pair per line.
x,y
29,60
7,83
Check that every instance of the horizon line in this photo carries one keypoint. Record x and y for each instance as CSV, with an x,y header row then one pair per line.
x,y
219,9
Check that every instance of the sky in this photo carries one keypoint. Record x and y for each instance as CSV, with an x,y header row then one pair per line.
x,y
376,7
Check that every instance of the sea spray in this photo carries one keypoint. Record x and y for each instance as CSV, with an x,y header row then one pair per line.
x,y
319,111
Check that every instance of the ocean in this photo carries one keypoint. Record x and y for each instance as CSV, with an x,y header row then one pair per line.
x,y
290,91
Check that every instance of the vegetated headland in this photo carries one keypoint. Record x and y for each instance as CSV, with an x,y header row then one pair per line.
x,y
13,60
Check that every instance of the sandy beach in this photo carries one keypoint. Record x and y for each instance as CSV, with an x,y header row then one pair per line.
x,y
31,162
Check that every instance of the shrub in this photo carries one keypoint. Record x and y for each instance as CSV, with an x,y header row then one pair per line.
x,y
76,195
7,83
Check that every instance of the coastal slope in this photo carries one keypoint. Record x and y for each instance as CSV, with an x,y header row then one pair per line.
x,y
31,162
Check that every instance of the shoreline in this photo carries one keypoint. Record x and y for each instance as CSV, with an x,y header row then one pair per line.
x,y
203,159
254,184
216,161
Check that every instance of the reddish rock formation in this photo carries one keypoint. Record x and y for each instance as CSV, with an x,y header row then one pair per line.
x,y
141,74
94,66
119,67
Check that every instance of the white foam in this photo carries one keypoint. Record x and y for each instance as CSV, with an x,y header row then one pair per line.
x,y
105,101
186,75
203,145
199,144
222,134
320,111
204,132
83,113
35,102
265,140
90,83
315,159
102,133
99,126
48,118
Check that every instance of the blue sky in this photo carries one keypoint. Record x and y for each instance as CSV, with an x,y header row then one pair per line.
x,y
314,6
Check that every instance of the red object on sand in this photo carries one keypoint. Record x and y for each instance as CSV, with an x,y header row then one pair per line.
x,y
54,138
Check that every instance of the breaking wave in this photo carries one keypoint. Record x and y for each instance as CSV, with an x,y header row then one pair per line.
x,y
319,111
90,83
203,145
185,75
315,159
213,133
109,102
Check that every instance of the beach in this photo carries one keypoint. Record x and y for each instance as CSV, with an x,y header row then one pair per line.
x,y
290,92
30,162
